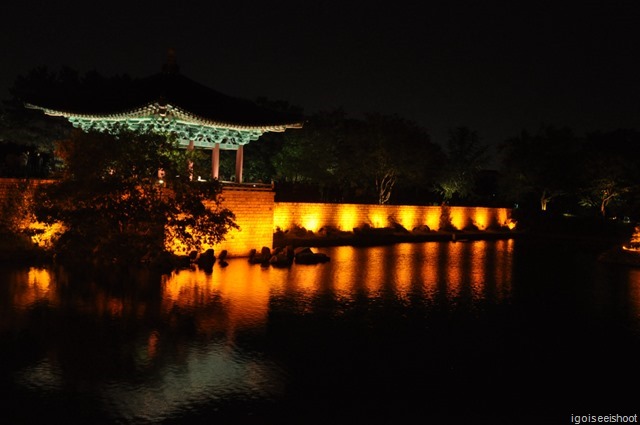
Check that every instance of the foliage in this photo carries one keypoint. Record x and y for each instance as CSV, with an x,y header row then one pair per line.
x,y
603,192
310,154
393,151
28,133
541,165
465,156
114,206
609,166
357,160
15,209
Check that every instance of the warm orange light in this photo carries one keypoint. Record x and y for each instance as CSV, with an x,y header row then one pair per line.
x,y
504,253
407,217
44,234
311,222
39,279
458,218
373,274
429,271
432,219
348,277
377,218
481,218
230,298
502,216
33,286
347,217
455,268
404,255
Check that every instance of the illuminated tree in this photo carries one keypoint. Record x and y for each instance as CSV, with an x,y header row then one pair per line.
x,y
603,192
610,166
383,152
114,205
465,156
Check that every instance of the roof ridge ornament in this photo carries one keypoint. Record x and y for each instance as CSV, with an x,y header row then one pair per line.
x,y
171,66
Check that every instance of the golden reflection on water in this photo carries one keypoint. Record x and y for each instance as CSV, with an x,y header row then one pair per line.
x,y
472,269
223,300
237,297
32,288
188,338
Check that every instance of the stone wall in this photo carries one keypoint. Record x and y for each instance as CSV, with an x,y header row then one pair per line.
x,y
259,216
254,214
346,217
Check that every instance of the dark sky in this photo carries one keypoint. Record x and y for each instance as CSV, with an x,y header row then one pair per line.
x,y
496,67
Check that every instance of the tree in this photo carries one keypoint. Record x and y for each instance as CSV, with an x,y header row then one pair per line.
x,y
541,165
259,155
465,156
308,157
27,136
28,133
604,191
384,152
609,169
114,206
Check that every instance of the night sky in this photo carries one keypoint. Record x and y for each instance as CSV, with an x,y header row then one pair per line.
x,y
495,67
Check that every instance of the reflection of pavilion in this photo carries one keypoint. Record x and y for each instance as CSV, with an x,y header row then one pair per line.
x,y
168,102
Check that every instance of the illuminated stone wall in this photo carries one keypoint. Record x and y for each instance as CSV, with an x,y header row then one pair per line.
x,y
259,216
254,214
346,217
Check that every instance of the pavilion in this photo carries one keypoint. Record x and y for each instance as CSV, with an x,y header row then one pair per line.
x,y
168,102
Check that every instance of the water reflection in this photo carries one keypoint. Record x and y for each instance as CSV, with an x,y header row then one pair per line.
x,y
144,348
145,351
476,270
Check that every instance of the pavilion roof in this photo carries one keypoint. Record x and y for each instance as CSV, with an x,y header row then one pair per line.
x,y
196,103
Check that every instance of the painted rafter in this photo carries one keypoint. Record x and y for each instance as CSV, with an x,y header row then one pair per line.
x,y
188,127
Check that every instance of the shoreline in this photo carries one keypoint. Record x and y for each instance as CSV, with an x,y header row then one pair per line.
x,y
17,252
379,237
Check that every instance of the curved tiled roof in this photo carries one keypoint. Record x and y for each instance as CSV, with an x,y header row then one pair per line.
x,y
169,87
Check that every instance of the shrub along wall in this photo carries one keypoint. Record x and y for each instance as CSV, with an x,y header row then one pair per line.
x,y
259,216
346,217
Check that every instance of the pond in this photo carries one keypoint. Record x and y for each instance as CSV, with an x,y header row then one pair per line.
x,y
506,331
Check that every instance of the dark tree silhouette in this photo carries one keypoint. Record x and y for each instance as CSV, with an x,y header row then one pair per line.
x,y
465,157
112,204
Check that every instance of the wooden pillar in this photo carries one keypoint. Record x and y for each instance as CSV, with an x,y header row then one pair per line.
x,y
215,161
190,148
239,159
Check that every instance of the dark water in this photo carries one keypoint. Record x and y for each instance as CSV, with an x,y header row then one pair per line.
x,y
496,332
